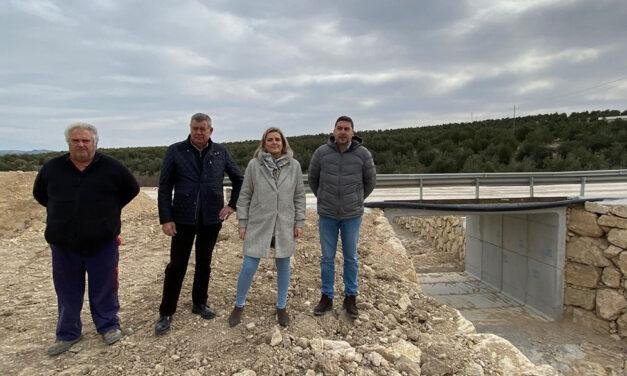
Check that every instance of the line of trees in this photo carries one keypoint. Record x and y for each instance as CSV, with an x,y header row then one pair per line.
x,y
552,142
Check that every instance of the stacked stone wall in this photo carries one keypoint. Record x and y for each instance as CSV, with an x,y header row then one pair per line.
x,y
596,267
446,233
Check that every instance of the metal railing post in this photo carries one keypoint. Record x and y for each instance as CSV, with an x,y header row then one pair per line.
x,y
476,188
420,189
531,186
582,191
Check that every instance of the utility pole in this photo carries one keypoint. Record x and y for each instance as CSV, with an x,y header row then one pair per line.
x,y
514,118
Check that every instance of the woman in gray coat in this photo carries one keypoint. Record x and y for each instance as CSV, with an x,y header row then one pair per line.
x,y
271,214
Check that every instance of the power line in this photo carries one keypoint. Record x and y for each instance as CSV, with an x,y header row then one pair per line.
x,y
567,95
588,88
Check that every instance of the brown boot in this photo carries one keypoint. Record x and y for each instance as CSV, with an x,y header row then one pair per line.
x,y
282,317
325,305
350,305
236,316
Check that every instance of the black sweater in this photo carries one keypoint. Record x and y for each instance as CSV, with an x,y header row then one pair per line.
x,y
83,207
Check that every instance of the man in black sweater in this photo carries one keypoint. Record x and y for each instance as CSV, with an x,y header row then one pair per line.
x,y
84,193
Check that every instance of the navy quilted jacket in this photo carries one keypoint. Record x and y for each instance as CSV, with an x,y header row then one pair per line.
x,y
181,174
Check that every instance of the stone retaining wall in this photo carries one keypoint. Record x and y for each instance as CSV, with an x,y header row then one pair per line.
x,y
595,269
446,233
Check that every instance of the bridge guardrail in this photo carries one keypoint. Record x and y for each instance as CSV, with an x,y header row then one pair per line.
x,y
529,179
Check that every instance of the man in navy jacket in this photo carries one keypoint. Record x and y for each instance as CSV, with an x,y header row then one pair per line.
x,y
195,170
84,193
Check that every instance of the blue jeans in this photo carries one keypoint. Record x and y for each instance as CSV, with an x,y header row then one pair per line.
x,y
246,274
68,274
348,229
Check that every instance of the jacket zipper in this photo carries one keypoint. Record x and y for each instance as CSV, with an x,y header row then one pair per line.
x,y
198,192
339,188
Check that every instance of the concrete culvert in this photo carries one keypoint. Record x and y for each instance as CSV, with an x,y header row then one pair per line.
x,y
510,276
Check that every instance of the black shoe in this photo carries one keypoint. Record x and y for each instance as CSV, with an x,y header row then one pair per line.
x,y
236,316
350,305
282,317
162,325
204,311
325,305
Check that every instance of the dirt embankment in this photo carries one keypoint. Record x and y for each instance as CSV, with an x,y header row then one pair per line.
x,y
400,331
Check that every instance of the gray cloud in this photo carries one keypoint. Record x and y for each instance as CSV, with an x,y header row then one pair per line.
x,y
139,70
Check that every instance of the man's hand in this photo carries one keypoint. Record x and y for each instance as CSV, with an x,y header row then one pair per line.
x,y
298,232
169,228
242,233
225,212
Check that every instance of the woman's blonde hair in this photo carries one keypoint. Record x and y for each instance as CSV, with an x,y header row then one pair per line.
x,y
284,150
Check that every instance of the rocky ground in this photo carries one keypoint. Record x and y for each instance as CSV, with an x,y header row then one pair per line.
x,y
400,331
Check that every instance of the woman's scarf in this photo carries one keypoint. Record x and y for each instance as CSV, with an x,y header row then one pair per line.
x,y
274,165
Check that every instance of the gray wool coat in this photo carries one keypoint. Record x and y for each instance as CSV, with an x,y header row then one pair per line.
x,y
268,207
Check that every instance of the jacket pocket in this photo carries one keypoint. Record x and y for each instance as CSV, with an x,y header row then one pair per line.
x,y
214,164
360,195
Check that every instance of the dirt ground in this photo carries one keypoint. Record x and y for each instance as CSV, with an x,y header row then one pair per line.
x,y
400,331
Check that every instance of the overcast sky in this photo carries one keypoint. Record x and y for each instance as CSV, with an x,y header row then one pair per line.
x,y
139,69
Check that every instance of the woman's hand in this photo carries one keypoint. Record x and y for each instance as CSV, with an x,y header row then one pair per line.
x,y
242,232
298,232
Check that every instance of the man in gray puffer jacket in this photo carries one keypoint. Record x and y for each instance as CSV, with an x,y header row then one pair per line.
x,y
341,175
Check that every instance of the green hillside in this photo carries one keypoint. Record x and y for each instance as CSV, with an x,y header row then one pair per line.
x,y
553,142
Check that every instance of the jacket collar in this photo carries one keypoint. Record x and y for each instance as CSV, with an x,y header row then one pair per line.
x,y
266,174
356,142
189,143
190,152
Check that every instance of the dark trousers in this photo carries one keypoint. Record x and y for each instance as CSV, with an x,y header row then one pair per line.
x,y
181,247
68,274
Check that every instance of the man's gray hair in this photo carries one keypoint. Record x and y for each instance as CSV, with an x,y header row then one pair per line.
x,y
86,126
198,117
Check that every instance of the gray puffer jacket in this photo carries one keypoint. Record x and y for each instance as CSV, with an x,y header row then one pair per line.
x,y
341,181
